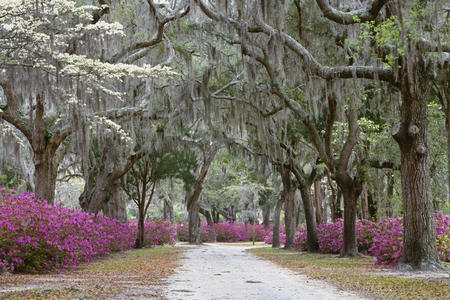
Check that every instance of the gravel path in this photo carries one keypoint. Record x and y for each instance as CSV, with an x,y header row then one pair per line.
x,y
217,271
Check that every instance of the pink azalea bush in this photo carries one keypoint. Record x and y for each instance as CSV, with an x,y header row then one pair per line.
x,y
223,232
226,232
388,242
36,236
269,236
155,233
443,236
383,239
183,232
208,233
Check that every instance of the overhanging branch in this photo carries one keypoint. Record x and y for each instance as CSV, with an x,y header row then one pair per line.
x,y
368,13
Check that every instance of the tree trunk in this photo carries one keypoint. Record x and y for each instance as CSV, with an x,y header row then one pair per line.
x,y
334,201
96,193
365,203
45,176
351,190
290,209
45,167
318,202
194,219
304,185
350,247
216,216
447,127
266,218
276,223
419,249
337,211
165,210
311,228
141,229
208,216
169,207
390,194
231,214
300,215
116,207
193,196
325,207
372,206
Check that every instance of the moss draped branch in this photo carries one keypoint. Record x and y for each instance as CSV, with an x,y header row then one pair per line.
x,y
368,13
325,72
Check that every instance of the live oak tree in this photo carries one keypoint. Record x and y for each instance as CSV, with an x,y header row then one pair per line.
x,y
399,42
206,152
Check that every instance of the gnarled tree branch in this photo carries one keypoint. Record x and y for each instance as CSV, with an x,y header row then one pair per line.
x,y
368,13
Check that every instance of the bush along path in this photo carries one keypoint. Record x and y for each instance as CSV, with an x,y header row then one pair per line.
x,y
50,241
38,237
133,274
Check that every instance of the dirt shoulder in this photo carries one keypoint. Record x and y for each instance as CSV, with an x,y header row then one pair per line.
x,y
134,274
361,275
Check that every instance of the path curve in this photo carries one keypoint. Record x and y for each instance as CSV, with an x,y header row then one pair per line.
x,y
217,271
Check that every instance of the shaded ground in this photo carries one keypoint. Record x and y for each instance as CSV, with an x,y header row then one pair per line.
x,y
226,271
135,274
219,271
362,275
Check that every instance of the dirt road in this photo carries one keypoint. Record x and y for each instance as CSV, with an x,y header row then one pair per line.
x,y
217,271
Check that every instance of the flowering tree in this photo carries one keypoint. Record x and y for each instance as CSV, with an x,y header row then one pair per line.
x,y
53,78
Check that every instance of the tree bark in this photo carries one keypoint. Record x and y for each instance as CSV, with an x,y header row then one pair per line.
x,y
141,228
351,189
372,206
101,178
318,202
304,185
193,195
194,219
45,161
311,228
231,214
266,218
290,209
116,207
447,125
334,201
325,207
276,223
350,247
216,216
420,249
45,176
365,203
208,216
390,194
337,211
169,206
165,210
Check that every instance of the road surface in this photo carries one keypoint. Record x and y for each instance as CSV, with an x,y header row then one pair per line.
x,y
218,271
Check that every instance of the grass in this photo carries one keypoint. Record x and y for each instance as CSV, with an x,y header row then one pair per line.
x,y
357,274
154,262
110,276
